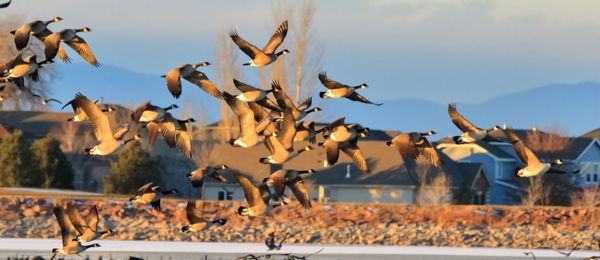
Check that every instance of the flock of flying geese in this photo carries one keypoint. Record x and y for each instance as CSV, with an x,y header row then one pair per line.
x,y
279,124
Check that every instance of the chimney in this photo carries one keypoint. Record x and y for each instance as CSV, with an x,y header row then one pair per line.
x,y
348,175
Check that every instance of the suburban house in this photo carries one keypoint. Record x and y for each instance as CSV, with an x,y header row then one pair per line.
x,y
393,179
581,156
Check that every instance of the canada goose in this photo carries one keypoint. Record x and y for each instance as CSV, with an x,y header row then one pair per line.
x,y
197,222
197,176
282,148
414,143
5,5
339,131
284,101
17,68
69,36
70,245
258,197
173,131
45,101
252,94
339,90
147,112
109,141
260,115
350,148
151,194
80,114
533,165
36,27
279,154
248,127
88,228
306,132
270,242
189,73
292,179
267,55
471,133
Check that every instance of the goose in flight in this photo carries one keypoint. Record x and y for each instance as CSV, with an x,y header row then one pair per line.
x,y
339,90
151,194
196,177
268,54
70,243
17,68
282,147
70,37
80,114
87,229
284,101
147,112
189,73
533,165
174,132
249,128
292,179
470,133
413,144
197,222
36,28
258,197
108,141
350,148
252,94
45,101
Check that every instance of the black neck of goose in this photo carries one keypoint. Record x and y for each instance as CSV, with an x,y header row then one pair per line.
x,y
129,140
189,120
279,53
92,245
170,107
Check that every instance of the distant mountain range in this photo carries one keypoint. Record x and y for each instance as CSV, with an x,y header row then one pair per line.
x,y
575,107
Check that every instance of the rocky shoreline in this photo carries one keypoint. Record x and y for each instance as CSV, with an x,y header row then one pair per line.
x,y
327,223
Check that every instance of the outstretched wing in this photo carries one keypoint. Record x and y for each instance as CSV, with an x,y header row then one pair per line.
x,y
83,49
192,212
459,120
277,38
245,46
358,97
201,80
524,153
329,83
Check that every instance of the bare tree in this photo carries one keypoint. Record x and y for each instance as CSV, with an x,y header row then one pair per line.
x,y
588,197
302,65
16,99
434,187
225,70
551,140
536,192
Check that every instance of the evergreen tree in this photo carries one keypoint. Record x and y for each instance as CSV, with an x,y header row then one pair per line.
x,y
133,168
54,168
18,165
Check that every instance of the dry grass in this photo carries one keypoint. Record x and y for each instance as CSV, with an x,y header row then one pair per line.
x,y
588,197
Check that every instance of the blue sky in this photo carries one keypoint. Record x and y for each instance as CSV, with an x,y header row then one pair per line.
x,y
437,50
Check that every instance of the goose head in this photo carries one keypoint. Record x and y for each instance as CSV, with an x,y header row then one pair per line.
x,y
86,29
243,211
55,251
557,162
364,85
494,128
201,64
389,143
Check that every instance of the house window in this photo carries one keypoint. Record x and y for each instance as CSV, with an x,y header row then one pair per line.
x,y
225,195
591,171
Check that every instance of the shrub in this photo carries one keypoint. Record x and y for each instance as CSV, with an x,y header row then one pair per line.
x,y
133,168
55,171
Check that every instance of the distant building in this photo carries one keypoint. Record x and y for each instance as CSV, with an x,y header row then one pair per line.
x,y
581,156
